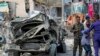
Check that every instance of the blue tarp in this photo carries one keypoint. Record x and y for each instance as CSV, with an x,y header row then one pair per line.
x,y
4,7
78,8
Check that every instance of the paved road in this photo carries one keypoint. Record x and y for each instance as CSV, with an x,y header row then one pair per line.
x,y
69,46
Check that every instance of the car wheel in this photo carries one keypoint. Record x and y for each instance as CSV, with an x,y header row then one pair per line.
x,y
53,50
62,48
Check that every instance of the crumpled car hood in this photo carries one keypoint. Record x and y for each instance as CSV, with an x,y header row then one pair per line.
x,y
31,33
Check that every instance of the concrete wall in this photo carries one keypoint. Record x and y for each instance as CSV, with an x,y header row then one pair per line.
x,y
76,1
20,7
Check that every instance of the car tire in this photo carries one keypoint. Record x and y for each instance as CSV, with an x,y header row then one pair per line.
x,y
53,50
61,48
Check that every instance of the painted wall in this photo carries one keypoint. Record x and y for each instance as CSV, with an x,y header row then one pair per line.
x,y
20,7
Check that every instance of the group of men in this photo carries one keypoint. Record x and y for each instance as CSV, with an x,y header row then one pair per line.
x,y
81,32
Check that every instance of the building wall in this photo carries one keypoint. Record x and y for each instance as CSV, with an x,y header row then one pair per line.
x,y
20,7
75,0
31,6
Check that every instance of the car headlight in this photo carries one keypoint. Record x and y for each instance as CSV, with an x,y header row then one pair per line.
x,y
2,40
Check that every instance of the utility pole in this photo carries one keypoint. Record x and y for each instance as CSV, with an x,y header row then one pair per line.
x,y
62,20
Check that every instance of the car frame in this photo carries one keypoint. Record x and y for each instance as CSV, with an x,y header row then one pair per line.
x,y
32,37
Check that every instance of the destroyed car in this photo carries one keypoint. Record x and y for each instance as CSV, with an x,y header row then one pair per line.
x,y
35,35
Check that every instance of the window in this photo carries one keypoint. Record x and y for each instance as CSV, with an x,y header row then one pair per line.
x,y
72,0
59,11
39,17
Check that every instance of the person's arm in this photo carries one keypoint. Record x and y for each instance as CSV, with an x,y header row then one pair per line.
x,y
91,27
74,29
82,27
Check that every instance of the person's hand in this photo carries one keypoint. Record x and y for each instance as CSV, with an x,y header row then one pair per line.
x,y
87,36
78,30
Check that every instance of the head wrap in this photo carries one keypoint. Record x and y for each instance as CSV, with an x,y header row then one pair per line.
x,y
87,17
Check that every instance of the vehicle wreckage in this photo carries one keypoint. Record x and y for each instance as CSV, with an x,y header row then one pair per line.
x,y
37,34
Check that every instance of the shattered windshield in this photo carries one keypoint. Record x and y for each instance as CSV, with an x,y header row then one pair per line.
x,y
40,17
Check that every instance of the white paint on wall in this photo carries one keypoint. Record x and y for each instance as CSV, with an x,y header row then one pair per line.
x,y
20,7
31,6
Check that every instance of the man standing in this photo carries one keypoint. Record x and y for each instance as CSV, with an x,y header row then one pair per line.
x,y
77,28
85,41
96,27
